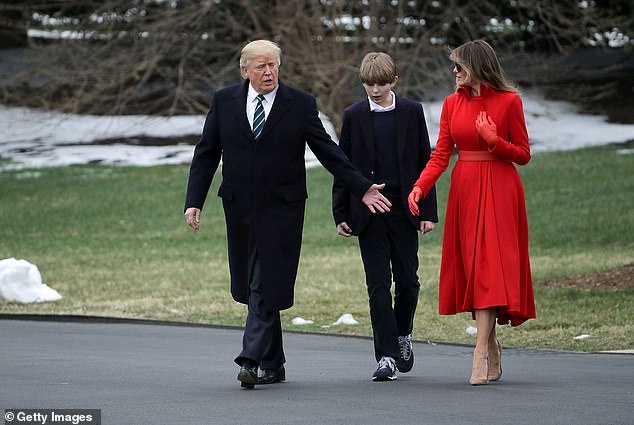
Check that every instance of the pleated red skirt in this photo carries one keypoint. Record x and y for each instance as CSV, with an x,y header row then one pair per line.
x,y
485,260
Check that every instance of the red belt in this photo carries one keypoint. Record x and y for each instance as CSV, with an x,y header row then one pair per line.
x,y
477,156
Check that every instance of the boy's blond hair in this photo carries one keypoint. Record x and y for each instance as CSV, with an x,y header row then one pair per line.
x,y
377,68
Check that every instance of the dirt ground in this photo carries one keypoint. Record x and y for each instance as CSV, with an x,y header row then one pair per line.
x,y
619,278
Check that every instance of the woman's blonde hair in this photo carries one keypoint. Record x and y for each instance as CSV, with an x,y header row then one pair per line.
x,y
377,68
480,63
258,48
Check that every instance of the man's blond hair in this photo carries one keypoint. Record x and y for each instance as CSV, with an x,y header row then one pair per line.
x,y
258,48
377,68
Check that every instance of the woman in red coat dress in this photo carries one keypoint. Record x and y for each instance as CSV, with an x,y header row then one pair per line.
x,y
485,267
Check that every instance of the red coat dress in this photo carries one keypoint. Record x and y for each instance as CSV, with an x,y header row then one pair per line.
x,y
485,249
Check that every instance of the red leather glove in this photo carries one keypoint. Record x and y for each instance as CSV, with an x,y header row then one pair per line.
x,y
486,128
412,200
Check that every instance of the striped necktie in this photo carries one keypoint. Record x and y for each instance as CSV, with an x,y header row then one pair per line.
x,y
258,117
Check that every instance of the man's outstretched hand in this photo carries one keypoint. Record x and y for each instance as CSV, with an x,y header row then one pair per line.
x,y
375,201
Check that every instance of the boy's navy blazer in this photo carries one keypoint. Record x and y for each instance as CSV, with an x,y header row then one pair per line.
x,y
358,142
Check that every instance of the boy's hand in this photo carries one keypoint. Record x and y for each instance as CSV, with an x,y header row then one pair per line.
x,y
426,226
344,230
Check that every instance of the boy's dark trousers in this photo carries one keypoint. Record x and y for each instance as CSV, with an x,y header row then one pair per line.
x,y
389,245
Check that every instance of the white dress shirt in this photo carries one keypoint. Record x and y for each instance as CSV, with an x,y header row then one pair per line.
x,y
252,102
375,107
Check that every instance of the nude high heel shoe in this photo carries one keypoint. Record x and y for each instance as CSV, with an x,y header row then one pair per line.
x,y
495,371
480,378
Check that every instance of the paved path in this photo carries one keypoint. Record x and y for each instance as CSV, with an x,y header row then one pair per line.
x,y
140,373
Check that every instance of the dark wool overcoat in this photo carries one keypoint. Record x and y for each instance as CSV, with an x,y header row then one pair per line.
x,y
263,187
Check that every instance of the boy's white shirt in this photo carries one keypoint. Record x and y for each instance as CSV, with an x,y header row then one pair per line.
x,y
375,107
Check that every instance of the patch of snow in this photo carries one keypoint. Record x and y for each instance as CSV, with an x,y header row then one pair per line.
x,y
35,138
579,337
21,281
345,319
471,330
299,321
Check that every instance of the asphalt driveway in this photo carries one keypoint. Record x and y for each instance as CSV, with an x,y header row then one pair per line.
x,y
155,373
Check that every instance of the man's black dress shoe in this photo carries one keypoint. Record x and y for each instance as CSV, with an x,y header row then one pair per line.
x,y
248,375
272,376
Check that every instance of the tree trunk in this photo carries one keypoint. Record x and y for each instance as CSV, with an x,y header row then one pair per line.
x,y
12,29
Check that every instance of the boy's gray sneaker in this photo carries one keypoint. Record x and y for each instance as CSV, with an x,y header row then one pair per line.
x,y
405,359
386,370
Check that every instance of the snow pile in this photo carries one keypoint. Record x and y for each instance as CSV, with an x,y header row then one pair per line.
x,y
471,330
300,321
346,319
21,281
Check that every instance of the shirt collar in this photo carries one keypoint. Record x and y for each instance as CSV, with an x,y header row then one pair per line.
x,y
269,97
375,107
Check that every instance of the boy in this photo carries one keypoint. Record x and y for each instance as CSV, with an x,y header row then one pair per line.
x,y
385,136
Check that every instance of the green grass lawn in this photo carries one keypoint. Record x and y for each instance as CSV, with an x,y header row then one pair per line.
x,y
113,242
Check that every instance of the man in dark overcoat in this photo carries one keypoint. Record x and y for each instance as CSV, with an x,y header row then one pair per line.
x,y
260,129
